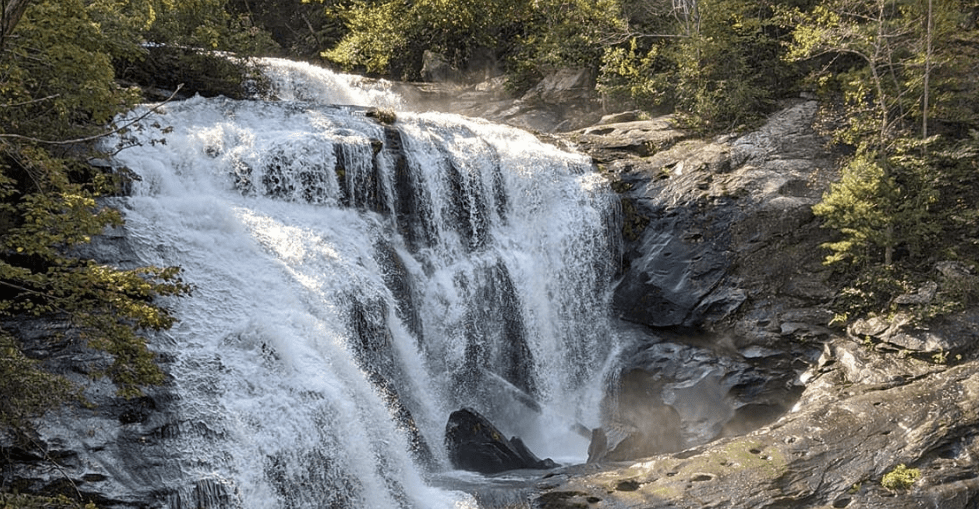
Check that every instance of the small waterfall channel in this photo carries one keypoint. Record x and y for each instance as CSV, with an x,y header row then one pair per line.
x,y
357,281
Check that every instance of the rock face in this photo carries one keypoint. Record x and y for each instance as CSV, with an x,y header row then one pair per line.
x,y
834,452
671,396
717,227
115,452
723,278
475,444
723,262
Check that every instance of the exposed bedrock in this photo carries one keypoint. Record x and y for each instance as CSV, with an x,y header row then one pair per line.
x,y
736,391
833,452
718,227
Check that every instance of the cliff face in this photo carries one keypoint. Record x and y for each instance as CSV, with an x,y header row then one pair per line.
x,y
724,280
113,451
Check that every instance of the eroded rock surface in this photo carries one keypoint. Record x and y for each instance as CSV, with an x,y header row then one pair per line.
x,y
833,452
671,396
720,226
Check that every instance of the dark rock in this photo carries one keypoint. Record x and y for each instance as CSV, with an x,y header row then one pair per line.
x,y
727,220
668,397
436,68
475,444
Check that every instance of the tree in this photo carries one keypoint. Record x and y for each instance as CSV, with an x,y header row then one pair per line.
x,y
390,37
882,64
57,90
716,62
11,12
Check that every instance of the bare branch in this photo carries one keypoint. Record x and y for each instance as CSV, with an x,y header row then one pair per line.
x,y
97,136
32,101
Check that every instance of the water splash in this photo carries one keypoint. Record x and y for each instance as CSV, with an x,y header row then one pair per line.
x,y
356,282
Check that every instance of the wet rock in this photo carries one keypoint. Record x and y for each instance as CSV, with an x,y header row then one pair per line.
x,y
475,444
833,452
112,451
668,397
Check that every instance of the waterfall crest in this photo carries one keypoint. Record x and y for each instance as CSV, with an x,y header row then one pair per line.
x,y
355,282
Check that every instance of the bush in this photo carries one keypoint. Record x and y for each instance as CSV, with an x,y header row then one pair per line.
x,y
901,478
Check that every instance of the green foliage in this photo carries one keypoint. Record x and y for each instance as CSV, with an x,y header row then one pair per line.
x,y
25,501
57,83
906,198
207,24
901,478
390,37
629,75
44,216
871,291
729,72
56,80
878,204
28,390
561,33
718,66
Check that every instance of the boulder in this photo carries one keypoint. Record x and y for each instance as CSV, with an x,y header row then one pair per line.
x,y
475,444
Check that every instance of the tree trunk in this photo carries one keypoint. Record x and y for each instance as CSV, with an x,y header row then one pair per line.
x,y
927,76
10,16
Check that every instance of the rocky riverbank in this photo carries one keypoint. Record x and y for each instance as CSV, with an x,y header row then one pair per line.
x,y
778,407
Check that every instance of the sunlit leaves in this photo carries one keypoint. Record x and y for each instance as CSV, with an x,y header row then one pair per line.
x,y
390,37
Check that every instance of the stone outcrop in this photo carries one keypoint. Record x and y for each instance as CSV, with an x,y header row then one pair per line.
x,y
834,451
720,226
723,273
113,451
475,444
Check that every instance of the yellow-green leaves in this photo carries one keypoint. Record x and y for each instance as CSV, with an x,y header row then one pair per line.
x,y
44,216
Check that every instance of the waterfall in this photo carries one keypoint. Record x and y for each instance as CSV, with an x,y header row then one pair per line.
x,y
355,282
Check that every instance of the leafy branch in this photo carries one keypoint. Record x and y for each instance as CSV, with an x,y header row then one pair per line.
x,y
96,137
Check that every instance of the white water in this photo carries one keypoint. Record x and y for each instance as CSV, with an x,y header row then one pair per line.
x,y
470,266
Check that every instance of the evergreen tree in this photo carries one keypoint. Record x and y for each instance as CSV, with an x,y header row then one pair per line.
x,y
880,47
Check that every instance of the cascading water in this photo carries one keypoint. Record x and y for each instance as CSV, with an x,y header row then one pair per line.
x,y
355,282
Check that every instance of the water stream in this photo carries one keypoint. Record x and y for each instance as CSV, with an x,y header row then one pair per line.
x,y
355,282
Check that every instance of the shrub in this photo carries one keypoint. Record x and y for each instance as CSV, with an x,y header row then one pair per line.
x,y
901,478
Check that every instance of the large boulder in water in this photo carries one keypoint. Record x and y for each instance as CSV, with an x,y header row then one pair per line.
x,y
475,444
